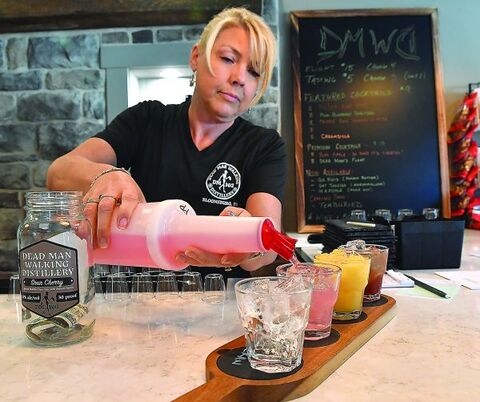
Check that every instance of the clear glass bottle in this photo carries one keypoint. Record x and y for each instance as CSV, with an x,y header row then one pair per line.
x,y
56,269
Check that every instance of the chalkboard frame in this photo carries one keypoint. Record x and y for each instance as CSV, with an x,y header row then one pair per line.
x,y
295,17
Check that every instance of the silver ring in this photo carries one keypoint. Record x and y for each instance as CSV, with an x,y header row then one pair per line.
x,y
92,201
102,196
256,255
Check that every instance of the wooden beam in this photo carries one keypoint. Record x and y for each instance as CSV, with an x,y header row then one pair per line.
x,y
49,15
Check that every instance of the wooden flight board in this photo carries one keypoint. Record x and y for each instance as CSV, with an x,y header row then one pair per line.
x,y
318,364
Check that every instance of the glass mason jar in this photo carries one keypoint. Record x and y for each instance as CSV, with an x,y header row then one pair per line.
x,y
56,269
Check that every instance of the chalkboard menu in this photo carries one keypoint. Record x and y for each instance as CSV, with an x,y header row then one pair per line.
x,y
369,113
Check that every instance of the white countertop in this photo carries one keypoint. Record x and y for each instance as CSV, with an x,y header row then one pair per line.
x,y
153,351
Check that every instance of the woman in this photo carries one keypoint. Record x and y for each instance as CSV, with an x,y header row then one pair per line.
x,y
200,151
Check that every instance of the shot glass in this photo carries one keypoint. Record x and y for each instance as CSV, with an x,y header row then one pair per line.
x,y
116,288
384,213
14,288
167,287
102,269
142,287
402,213
325,279
274,314
214,289
355,271
192,287
358,215
153,272
122,270
430,213
99,292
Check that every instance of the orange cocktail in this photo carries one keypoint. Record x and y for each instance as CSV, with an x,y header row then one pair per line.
x,y
355,270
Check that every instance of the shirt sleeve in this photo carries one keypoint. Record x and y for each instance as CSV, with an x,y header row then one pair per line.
x,y
269,171
124,133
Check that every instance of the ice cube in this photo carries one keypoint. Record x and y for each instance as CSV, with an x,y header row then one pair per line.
x,y
289,284
275,310
250,305
355,245
259,286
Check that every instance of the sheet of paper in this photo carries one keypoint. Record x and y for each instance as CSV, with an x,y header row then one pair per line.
x,y
302,239
469,279
451,289
390,282
310,251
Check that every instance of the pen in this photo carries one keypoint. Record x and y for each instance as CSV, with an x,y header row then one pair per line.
x,y
426,286
364,224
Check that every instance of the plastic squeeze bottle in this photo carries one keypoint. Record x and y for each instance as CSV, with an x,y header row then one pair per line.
x,y
158,231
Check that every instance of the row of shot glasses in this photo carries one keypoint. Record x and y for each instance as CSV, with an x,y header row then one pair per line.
x,y
361,215
127,285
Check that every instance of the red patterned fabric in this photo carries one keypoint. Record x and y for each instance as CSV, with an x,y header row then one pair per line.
x,y
463,150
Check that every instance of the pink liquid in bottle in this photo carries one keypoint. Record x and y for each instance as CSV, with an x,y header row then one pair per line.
x,y
125,249
159,231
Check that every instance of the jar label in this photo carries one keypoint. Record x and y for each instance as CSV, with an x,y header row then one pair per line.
x,y
48,278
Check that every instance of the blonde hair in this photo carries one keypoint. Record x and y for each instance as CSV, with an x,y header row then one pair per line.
x,y
262,42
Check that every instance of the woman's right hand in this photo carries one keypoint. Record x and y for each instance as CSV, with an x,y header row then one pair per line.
x,y
115,189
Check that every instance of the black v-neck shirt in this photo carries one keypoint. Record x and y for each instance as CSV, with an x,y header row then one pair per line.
x,y
154,141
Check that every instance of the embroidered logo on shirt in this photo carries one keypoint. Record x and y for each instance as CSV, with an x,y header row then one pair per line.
x,y
224,181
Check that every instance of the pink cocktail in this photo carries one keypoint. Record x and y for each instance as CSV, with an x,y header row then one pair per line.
x,y
325,279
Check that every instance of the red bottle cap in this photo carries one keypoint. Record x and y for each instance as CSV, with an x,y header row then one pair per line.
x,y
276,241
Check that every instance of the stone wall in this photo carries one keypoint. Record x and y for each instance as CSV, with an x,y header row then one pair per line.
x,y
52,98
